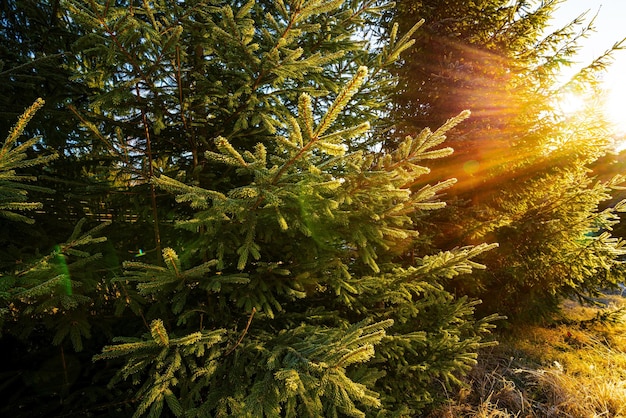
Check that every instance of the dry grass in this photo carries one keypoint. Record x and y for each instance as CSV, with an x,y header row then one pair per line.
x,y
575,369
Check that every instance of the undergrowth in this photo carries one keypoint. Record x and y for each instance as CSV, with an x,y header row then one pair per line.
x,y
574,366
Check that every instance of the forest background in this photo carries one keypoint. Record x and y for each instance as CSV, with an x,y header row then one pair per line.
x,y
302,208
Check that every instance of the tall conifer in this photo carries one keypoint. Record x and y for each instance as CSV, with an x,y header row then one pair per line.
x,y
286,291
521,161
48,297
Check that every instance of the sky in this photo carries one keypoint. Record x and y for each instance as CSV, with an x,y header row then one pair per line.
x,y
610,27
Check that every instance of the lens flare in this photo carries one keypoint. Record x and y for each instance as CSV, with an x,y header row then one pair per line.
x,y
62,264
471,167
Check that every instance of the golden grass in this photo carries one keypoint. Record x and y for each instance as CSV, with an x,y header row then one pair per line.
x,y
574,369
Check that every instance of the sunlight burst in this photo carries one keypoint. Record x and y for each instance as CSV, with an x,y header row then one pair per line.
x,y
615,108
571,103
612,104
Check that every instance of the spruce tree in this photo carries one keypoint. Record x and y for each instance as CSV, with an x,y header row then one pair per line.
x,y
521,161
49,297
36,60
286,289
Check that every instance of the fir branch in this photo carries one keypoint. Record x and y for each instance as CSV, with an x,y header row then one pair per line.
x,y
396,48
13,156
341,101
243,334
305,113
159,334
19,127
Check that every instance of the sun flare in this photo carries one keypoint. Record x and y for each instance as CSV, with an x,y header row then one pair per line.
x,y
615,109
571,103
612,101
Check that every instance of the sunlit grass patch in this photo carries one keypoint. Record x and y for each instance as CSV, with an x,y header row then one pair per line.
x,y
491,392
574,367
560,392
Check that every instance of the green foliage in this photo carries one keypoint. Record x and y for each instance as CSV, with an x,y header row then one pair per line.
x,y
45,289
574,254
522,162
50,302
169,362
285,289
294,290
279,244
14,194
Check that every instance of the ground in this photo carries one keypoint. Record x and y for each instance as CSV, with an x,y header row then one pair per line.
x,y
574,366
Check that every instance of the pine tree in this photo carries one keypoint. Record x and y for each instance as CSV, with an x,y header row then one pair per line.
x,y
521,161
287,290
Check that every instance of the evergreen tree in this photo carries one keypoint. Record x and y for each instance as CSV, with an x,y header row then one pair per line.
x,y
52,336
288,290
521,161
35,38
47,302
36,60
